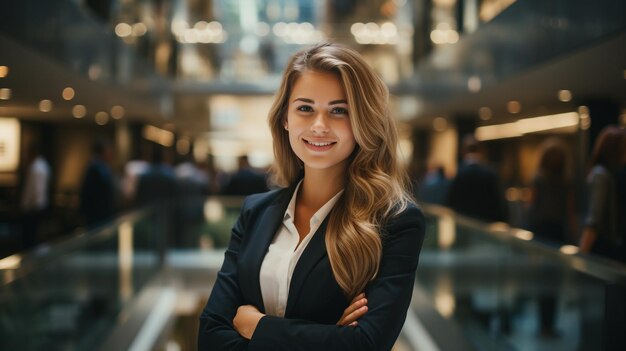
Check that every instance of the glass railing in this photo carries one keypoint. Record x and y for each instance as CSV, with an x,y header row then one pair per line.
x,y
81,292
508,291
497,284
69,295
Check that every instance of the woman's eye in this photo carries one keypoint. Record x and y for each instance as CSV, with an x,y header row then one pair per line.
x,y
304,108
339,111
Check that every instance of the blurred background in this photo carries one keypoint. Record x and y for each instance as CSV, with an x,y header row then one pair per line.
x,y
130,130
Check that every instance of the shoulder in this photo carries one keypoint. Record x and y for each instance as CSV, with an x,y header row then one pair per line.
x,y
411,216
409,222
40,166
256,202
403,234
598,173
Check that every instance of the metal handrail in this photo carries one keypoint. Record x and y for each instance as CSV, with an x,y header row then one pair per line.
x,y
21,264
602,268
611,271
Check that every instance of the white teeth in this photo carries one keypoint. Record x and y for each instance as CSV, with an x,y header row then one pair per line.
x,y
319,144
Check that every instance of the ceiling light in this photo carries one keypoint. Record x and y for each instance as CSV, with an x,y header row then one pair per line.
x,y
45,105
4,71
514,106
79,111
452,37
139,29
440,124
179,26
263,29
389,29
182,146
94,72
527,125
484,113
5,94
117,112
68,93
102,118
158,135
565,95
280,29
123,30
474,84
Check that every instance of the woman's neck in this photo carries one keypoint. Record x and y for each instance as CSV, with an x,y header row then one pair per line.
x,y
319,186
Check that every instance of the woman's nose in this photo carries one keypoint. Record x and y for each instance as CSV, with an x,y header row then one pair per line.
x,y
320,123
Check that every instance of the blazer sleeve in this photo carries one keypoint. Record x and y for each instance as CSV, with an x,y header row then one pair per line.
x,y
216,330
389,296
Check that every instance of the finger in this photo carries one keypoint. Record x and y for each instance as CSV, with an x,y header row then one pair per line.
x,y
350,309
355,305
357,298
352,317
353,324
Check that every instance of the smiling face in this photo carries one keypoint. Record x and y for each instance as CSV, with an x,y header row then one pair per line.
x,y
318,121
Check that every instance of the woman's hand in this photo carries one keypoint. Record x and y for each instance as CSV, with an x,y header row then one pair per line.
x,y
246,320
356,310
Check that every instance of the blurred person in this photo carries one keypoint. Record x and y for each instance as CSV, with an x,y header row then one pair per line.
x,y
434,188
158,182
97,192
192,188
552,218
328,262
35,195
475,191
133,171
187,170
246,180
600,234
217,177
551,214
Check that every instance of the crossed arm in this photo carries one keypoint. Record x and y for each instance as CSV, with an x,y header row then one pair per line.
x,y
248,316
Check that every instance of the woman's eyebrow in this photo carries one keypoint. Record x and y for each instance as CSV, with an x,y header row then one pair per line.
x,y
335,102
304,100
310,101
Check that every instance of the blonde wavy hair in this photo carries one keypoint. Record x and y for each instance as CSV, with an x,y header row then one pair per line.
x,y
376,185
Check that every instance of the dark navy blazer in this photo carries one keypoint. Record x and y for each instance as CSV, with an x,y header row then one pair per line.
x,y
315,301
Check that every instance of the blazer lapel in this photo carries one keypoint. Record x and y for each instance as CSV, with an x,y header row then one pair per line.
x,y
313,253
266,229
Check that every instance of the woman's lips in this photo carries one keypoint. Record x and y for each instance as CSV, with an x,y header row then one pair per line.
x,y
317,145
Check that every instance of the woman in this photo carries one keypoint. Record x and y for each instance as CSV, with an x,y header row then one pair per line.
x,y
329,261
551,213
600,235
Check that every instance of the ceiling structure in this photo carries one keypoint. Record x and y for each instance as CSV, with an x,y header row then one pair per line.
x,y
528,53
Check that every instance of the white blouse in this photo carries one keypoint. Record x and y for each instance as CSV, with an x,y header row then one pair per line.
x,y
283,255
